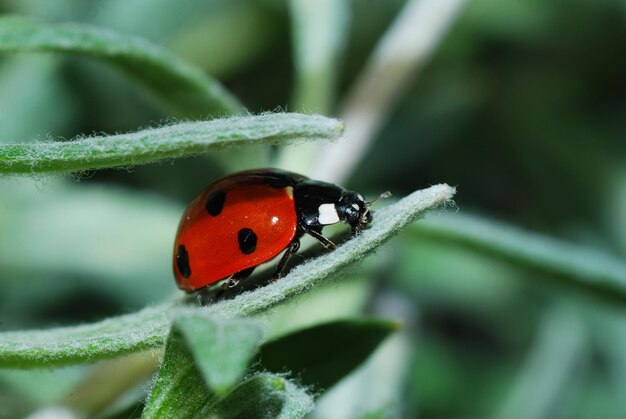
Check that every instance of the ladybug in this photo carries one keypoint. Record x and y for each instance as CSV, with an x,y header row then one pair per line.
x,y
248,218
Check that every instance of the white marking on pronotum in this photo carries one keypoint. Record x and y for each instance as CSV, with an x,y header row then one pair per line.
x,y
356,206
328,214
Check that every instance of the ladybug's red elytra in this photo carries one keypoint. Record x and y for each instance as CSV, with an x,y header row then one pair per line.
x,y
248,218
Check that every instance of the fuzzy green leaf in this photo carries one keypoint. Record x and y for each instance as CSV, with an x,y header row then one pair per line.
x,y
109,338
323,354
221,350
262,396
572,265
201,353
147,329
180,391
178,140
182,86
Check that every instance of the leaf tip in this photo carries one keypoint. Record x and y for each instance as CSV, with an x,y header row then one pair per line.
x,y
278,383
341,127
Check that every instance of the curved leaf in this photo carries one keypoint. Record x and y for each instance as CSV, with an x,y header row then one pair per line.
x,y
184,87
112,337
179,391
263,396
178,140
572,265
221,349
323,354
148,328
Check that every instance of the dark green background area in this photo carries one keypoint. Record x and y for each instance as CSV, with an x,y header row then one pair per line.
x,y
522,107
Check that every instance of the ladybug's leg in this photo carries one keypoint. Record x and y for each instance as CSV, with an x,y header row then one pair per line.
x,y
282,264
204,296
235,278
325,242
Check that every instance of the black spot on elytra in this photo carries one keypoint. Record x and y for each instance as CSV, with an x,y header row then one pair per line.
x,y
215,202
247,240
182,261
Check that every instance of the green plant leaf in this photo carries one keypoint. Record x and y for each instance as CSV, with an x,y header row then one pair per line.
x,y
178,140
204,358
221,349
382,413
147,328
572,265
109,338
321,355
180,391
179,84
262,396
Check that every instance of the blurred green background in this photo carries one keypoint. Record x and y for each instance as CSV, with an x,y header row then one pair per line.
x,y
522,106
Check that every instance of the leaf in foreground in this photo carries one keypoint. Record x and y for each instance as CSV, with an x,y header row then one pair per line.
x,y
147,328
178,140
180,392
108,338
263,396
204,357
186,88
221,349
321,355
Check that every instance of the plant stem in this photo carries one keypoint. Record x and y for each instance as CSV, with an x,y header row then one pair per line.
x,y
403,50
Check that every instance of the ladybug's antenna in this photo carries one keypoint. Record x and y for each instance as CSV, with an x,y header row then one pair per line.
x,y
386,194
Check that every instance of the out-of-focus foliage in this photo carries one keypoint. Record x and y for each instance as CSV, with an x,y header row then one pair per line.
x,y
521,106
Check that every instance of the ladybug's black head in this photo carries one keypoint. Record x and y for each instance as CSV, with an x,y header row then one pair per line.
x,y
354,210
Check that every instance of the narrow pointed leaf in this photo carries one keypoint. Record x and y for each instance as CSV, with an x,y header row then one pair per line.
x,y
184,87
178,140
321,355
109,338
263,396
179,390
220,349
148,328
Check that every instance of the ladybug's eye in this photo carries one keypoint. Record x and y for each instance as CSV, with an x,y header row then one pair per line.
x,y
350,213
